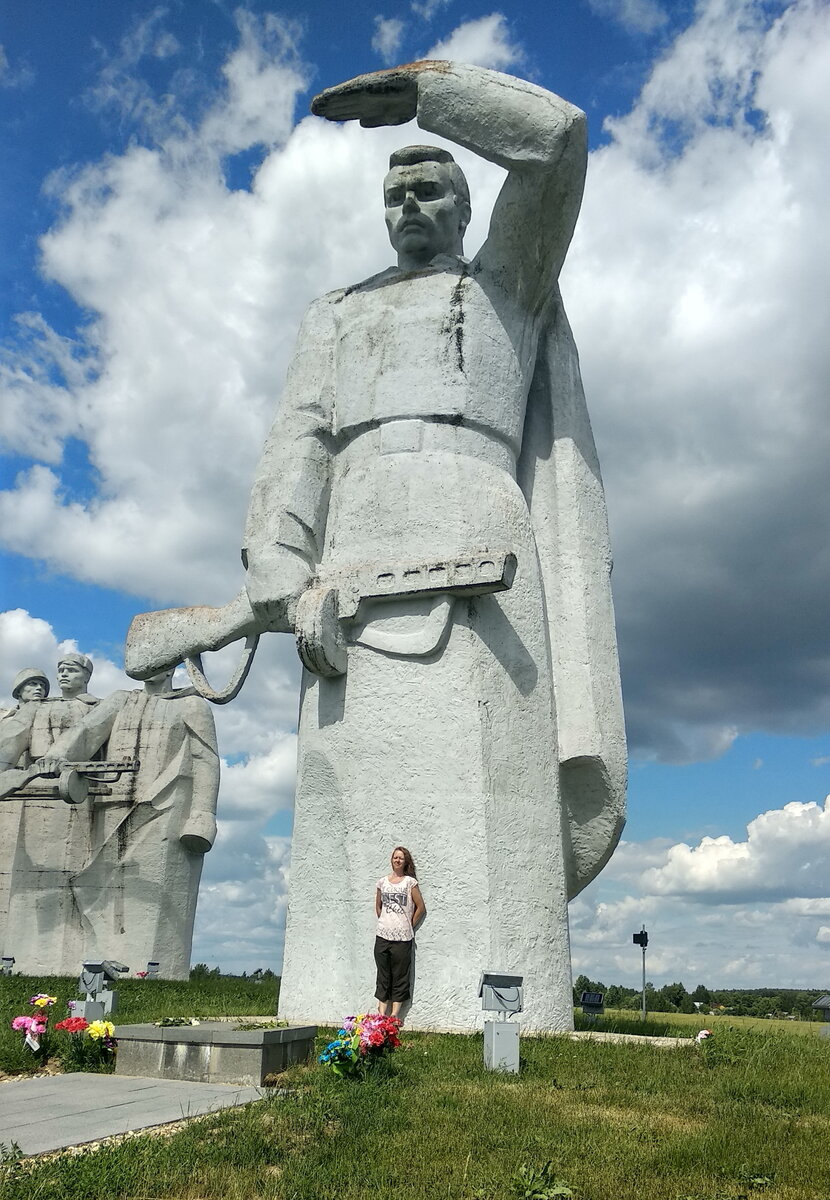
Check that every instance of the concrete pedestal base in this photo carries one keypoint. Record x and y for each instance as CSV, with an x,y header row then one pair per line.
x,y
213,1052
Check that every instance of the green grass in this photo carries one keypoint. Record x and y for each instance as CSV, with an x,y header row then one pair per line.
x,y
746,1115
138,1000
623,1020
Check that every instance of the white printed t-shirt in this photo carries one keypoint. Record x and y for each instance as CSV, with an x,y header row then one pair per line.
x,y
396,909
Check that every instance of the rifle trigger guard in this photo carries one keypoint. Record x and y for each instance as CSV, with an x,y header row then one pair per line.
x,y
197,674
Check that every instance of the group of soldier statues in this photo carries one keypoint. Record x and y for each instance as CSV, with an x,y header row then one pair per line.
x,y
108,808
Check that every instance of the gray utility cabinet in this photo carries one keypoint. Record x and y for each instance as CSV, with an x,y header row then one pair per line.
x,y
212,1052
501,1046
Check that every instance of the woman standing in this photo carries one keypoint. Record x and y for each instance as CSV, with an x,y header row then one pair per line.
x,y
399,908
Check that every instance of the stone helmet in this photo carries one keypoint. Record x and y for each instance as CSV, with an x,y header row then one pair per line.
x,y
28,675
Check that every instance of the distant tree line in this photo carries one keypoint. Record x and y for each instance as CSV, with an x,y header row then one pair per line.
x,y
203,971
738,1002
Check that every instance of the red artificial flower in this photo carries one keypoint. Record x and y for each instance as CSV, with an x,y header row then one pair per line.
x,y
73,1024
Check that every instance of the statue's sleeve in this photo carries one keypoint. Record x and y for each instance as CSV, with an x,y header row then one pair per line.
x,y
560,476
289,499
204,755
15,734
541,140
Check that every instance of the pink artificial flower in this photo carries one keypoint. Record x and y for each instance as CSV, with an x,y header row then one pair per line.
x,y
23,1023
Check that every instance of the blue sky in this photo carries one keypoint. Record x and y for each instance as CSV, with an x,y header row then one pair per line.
x,y
168,210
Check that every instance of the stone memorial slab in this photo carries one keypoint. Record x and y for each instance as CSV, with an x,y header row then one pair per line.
x,y
212,1052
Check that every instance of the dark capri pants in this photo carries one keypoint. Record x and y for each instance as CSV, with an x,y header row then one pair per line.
x,y
394,961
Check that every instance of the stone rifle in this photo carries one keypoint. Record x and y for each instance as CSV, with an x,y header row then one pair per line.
x,y
159,640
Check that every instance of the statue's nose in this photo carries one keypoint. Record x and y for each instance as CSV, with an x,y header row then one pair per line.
x,y
410,202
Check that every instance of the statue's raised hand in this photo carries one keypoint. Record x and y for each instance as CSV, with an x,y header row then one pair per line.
x,y
381,98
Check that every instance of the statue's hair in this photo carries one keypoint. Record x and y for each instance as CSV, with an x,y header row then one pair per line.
x,y
408,155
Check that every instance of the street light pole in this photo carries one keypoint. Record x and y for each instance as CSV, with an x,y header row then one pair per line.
x,y
641,939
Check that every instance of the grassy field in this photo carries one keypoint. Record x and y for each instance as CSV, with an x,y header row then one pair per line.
x,y
138,999
745,1115
622,1020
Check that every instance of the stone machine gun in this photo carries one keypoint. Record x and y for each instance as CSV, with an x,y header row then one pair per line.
x,y
72,782
159,640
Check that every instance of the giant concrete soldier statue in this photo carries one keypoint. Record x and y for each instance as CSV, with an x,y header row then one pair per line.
x,y
428,520
430,411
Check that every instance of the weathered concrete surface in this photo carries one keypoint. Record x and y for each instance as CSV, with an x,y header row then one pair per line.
x,y
212,1052
432,413
69,1110
117,876
43,842
638,1039
433,410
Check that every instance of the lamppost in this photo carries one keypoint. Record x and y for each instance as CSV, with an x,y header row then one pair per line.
x,y
641,939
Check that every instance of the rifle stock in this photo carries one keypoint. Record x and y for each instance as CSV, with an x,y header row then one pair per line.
x,y
159,640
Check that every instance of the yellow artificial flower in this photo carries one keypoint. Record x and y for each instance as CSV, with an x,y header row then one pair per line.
x,y
101,1029
43,1000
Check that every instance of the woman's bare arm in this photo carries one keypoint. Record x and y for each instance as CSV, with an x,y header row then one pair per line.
x,y
420,908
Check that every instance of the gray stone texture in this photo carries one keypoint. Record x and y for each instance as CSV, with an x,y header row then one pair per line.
x,y
117,876
212,1052
429,411
47,1114
431,414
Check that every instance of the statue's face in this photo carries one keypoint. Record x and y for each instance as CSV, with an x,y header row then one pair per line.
x,y
33,689
72,679
422,212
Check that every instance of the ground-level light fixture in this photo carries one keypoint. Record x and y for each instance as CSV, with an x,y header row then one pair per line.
x,y
502,994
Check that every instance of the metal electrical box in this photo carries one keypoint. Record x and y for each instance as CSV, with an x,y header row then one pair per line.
x,y
501,1046
500,993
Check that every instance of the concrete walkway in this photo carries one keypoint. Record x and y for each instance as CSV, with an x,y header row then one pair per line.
x,y
53,1112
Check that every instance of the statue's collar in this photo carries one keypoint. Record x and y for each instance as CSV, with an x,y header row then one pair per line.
x,y
454,264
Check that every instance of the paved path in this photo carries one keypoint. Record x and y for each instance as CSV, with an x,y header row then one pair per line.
x,y
67,1110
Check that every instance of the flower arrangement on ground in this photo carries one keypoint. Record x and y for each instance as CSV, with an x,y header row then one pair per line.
x,y
34,1026
92,1044
361,1044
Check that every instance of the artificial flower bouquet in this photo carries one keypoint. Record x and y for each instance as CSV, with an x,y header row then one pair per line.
x,y
363,1042
35,1025
91,1044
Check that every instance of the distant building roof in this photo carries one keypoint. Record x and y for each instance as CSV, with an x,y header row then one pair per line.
x,y
822,1002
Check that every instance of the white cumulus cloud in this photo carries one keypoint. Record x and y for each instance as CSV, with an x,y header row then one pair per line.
x,y
638,16
387,37
786,854
484,42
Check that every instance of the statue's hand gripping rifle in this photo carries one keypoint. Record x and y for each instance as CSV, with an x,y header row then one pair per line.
x,y
157,641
